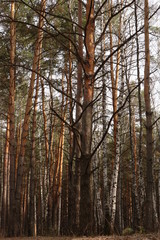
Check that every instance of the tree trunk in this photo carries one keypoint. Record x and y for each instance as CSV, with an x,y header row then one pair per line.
x,y
149,221
18,227
78,132
85,202
11,115
4,215
135,208
115,176
139,162
32,223
98,211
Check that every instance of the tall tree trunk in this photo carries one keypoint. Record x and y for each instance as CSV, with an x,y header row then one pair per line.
x,y
4,215
105,201
85,202
159,192
114,80
57,182
47,165
135,208
139,162
18,227
11,113
149,221
79,123
98,211
51,162
32,223
115,176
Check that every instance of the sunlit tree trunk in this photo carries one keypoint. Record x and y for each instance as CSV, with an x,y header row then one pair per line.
x,y
10,146
114,79
85,202
18,227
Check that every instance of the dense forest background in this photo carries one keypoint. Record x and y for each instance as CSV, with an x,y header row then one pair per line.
x,y
79,117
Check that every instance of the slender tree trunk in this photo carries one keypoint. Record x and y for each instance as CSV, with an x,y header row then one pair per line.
x,y
11,112
79,124
114,89
51,161
57,182
32,223
18,227
159,192
5,181
114,80
139,162
98,211
135,208
115,176
42,205
149,221
105,201
47,164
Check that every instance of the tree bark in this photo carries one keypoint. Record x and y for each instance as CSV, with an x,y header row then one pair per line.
x,y
149,221
141,190
11,115
78,132
115,176
18,226
85,202
4,215
32,223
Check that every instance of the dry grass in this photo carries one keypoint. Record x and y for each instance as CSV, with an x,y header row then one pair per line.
x,y
133,237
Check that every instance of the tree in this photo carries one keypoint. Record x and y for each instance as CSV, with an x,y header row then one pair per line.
x,y
149,222
18,227
85,201
77,139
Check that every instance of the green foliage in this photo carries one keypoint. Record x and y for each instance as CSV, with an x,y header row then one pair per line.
x,y
127,231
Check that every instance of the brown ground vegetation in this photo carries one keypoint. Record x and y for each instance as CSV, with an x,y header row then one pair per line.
x,y
114,237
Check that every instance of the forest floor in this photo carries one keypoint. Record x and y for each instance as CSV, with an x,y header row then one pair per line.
x,y
115,237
